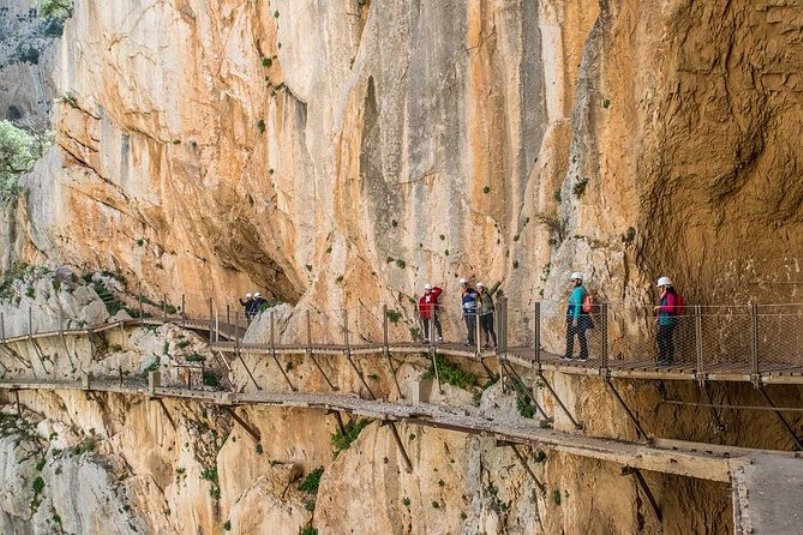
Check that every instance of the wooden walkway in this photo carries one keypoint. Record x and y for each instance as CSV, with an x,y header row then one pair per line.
x,y
700,461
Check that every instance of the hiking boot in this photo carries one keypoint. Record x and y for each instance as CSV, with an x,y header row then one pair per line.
x,y
425,341
440,339
583,359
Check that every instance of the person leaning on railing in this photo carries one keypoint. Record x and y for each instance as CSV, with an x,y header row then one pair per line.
x,y
577,323
666,318
487,312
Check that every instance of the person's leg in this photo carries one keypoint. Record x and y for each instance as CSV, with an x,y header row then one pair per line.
x,y
569,339
437,323
581,336
670,344
471,327
491,330
662,346
484,330
425,322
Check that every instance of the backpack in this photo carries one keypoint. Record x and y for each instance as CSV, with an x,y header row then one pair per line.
x,y
588,303
678,305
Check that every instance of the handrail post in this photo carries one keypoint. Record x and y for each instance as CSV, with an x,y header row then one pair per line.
x,y
309,334
385,341
477,330
604,327
228,319
211,323
698,343
502,327
346,330
217,325
141,312
3,327
537,336
272,339
164,308
61,321
30,322
237,331
183,313
755,376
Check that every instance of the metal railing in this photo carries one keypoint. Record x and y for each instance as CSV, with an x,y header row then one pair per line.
x,y
744,339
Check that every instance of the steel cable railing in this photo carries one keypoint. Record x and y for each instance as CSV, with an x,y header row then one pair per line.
x,y
704,339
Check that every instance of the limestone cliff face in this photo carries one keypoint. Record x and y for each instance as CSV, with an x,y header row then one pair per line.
x,y
351,151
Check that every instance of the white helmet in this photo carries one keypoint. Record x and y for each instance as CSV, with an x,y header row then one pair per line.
x,y
257,294
427,286
463,280
576,276
480,285
248,296
664,281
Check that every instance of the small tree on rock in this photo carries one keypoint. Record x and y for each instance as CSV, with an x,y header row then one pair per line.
x,y
55,9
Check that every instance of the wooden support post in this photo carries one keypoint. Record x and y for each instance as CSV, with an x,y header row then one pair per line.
x,y
166,412
86,380
3,327
217,325
755,372
408,465
537,337
798,444
526,466
514,376
273,354
164,308
348,354
183,313
434,356
575,423
141,312
636,473
386,349
120,375
254,432
630,413
30,323
17,398
339,419
698,344
189,378
228,319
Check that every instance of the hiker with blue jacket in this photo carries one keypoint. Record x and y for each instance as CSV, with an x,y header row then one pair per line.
x,y
666,318
469,309
577,322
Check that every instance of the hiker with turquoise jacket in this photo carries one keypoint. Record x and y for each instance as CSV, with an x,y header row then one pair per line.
x,y
577,321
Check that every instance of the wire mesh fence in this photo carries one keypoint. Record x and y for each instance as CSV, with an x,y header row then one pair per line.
x,y
706,339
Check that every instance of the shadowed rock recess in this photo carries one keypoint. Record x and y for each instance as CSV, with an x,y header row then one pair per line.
x,y
337,155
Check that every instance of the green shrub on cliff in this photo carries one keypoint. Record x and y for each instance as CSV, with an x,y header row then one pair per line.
x,y
55,9
18,152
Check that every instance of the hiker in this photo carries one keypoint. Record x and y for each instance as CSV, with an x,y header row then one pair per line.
x,y
259,303
469,309
428,311
577,322
248,305
487,313
666,318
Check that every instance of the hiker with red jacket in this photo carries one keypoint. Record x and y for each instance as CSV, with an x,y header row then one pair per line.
x,y
428,311
578,321
668,308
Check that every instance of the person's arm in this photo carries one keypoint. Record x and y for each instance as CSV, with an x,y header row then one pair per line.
x,y
495,287
577,301
669,307
241,302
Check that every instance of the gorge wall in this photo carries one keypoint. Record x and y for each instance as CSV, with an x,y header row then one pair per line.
x,y
341,154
